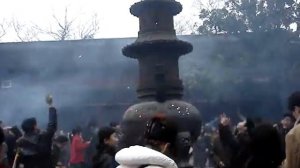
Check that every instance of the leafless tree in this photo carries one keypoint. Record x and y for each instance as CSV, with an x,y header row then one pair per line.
x,y
63,27
183,26
179,27
68,29
4,25
90,29
208,4
25,32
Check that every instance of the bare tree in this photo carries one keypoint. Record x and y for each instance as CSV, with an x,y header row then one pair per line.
x,y
90,29
180,27
62,28
184,26
4,25
67,29
63,31
25,32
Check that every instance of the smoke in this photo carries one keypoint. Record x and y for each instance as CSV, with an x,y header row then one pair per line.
x,y
89,80
92,80
249,74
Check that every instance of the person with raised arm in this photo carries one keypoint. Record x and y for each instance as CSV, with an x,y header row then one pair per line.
x,y
34,147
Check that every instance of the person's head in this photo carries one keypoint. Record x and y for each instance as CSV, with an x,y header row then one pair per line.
x,y
288,120
61,141
294,104
2,137
241,127
246,126
161,135
107,138
115,125
266,143
29,125
76,131
15,131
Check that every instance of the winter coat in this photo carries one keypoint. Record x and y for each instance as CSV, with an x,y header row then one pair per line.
x,y
293,148
36,147
11,141
105,158
59,156
3,156
78,147
203,151
265,147
225,148
142,157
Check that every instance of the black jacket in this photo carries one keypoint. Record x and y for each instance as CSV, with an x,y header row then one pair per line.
x,y
36,147
105,158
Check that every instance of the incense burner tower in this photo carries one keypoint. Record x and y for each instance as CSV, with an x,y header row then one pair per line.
x,y
160,89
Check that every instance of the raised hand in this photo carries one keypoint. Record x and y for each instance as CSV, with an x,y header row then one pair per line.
x,y
49,100
224,120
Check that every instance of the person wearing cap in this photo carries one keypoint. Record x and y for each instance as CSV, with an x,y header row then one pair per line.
x,y
35,146
160,137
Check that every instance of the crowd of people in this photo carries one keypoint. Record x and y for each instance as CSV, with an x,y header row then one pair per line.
x,y
251,143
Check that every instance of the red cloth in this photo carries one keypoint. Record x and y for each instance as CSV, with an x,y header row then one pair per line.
x,y
78,147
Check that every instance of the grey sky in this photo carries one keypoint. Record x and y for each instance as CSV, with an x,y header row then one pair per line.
x,y
114,17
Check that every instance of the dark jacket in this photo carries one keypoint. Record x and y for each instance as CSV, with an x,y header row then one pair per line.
x,y
36,147
11,137
225,147
105,159
265,148
232,150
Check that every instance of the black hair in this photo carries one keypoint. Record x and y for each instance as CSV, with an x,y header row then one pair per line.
x,y
113,124
161,129
28,125
61,139
294,100
16,131
290,116
76,130
266,147
250,126
103,134
103,148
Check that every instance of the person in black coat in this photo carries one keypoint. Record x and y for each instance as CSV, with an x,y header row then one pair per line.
x,y
106,149
59,144
265,148
11,137
35,147
3,150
